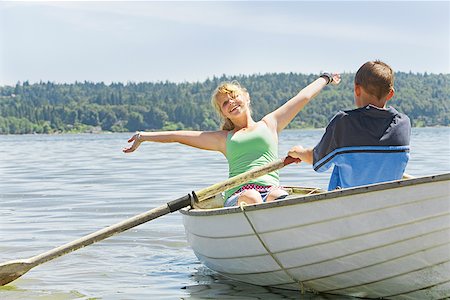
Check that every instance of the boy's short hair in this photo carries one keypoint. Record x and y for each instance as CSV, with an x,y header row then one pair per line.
x,y
376,77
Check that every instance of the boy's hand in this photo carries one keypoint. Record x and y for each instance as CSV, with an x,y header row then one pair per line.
x,y
296,151
306,155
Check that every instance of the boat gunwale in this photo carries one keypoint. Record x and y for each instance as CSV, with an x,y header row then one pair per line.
x,y
328,195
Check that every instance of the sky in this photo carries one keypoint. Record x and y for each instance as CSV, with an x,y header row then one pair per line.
x,y
189,41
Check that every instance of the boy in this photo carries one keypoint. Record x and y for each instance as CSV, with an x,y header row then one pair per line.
x,y
366,145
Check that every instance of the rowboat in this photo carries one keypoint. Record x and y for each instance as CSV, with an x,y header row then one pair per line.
x,y
389,240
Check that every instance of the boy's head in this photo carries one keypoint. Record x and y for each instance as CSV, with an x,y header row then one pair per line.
x,y
374,84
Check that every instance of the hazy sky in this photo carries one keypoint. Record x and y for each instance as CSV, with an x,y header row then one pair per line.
x,y
191,41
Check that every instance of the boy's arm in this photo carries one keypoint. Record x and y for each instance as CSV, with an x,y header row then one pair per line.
x,y
306,155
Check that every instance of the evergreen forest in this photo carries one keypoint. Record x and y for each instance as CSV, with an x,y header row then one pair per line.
x,y
47,107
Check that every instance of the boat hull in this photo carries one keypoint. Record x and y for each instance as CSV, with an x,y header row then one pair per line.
x,y
389,240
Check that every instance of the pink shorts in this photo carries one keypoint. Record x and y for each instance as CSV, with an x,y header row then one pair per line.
x,y
263,190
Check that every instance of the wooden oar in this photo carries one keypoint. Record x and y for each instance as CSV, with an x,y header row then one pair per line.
x,y
11,270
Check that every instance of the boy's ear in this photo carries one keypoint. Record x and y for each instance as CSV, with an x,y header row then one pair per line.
x,y
390,94
357,89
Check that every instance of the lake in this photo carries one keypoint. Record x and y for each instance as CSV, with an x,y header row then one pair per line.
x,y
58,188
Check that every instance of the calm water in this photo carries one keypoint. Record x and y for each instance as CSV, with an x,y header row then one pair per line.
x,y
55,189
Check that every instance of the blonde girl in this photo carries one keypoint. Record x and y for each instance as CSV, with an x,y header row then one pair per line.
x,y
244,142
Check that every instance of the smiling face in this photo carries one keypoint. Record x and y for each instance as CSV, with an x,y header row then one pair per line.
x,y
231,101
232,105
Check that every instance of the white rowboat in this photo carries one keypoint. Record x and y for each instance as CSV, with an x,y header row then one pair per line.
x,y
389,240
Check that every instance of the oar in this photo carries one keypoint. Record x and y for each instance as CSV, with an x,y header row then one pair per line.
x,y
11,270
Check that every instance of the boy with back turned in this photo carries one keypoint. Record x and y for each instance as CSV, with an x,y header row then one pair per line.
x,y
366,145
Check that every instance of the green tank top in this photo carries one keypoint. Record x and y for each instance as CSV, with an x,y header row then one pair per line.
x,y
247,150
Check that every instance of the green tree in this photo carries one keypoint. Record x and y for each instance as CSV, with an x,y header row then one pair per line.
x,y
135,122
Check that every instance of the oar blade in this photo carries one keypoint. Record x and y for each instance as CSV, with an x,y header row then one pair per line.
x,y
11,270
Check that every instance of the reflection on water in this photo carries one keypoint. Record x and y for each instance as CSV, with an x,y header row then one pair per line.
x,y
210,285
55,189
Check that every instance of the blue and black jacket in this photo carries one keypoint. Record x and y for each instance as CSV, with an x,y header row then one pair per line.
x,y
366,145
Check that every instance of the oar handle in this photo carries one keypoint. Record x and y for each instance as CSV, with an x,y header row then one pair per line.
x,y
235,181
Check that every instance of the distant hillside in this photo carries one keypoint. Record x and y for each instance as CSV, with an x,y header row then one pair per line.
x,y
47,107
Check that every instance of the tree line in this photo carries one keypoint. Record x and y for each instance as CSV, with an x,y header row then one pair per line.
x,y
48,107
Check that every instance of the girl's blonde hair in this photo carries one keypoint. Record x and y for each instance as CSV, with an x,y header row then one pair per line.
x,y
232,88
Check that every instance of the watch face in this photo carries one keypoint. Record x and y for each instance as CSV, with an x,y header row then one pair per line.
x,y
328,77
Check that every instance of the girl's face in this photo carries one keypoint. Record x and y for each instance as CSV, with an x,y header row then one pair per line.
x,y
232,106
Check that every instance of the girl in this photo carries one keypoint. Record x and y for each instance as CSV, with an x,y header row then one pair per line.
x,y
244,142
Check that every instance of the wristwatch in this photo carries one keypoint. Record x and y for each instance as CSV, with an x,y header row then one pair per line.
x,y
328,77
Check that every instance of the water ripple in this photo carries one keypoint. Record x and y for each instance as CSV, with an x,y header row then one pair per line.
x,y
55,189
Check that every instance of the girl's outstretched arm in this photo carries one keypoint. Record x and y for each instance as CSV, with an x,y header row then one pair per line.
x,y
283,115
207,140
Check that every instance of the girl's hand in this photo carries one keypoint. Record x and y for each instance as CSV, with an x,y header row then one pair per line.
x,y
136,139
336,78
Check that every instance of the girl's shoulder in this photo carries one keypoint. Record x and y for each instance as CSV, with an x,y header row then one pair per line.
x,y
266,123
